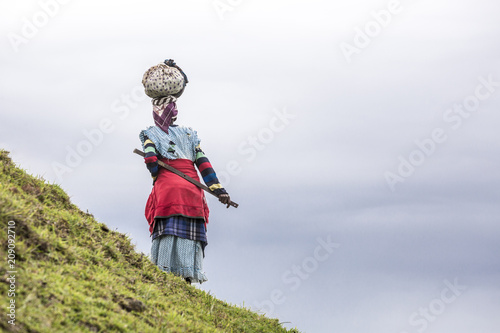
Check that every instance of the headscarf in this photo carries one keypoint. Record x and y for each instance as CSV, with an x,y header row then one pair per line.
x,y
164,110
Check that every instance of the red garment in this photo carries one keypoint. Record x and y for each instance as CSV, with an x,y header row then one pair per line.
x,y
173,195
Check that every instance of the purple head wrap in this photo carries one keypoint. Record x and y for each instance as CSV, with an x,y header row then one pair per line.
x,y
164,110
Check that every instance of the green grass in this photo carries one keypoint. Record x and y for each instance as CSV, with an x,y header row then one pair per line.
x,y
76,275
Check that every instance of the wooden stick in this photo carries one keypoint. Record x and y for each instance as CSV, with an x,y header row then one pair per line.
x,y
186,177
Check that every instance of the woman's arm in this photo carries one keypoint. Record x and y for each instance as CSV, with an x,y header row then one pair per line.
x,y
208,173
151,158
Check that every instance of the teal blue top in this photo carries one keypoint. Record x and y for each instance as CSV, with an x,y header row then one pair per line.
x,y
180,142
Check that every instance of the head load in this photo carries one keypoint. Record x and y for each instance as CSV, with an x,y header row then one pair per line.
x,y
164,80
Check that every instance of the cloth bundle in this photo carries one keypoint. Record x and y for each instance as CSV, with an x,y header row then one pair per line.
x,y
163,80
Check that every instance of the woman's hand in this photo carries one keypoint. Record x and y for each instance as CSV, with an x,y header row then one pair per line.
x,y
225,199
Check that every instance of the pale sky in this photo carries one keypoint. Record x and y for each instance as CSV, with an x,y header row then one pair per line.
x,y
360,139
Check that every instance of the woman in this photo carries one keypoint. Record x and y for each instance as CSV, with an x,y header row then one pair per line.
x,y
176,210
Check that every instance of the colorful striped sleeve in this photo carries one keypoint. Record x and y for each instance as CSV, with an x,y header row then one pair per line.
x,y
151,158
208,173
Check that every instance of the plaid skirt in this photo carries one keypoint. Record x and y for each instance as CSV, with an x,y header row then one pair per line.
x,y
180,256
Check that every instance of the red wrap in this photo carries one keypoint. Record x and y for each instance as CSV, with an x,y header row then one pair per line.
x,y
173,195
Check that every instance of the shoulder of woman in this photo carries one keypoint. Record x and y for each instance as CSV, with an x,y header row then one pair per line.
x,y
144,133
148,129
193,136
188,130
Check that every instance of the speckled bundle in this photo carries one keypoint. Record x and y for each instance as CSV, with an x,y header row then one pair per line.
x,y
162,80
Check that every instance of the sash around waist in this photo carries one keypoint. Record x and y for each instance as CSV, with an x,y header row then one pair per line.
x,y
173,195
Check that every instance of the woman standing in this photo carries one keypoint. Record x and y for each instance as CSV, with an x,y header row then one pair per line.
x,y
176,210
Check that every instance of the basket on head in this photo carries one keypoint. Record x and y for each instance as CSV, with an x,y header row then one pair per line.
x,y
163,80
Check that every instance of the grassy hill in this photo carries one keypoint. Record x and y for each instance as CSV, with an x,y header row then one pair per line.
x,y
73,274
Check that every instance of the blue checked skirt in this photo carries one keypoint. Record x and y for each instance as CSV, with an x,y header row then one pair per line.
x,y
173,253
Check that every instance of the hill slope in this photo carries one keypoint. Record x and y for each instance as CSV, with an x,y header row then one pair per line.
x,y
72,274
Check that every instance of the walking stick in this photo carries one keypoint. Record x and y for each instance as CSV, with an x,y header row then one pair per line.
x,y
186,177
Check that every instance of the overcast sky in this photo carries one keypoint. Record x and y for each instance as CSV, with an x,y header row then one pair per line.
x,y
360,139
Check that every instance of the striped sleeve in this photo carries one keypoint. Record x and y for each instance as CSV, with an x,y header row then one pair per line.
x,y
151,158
208,173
